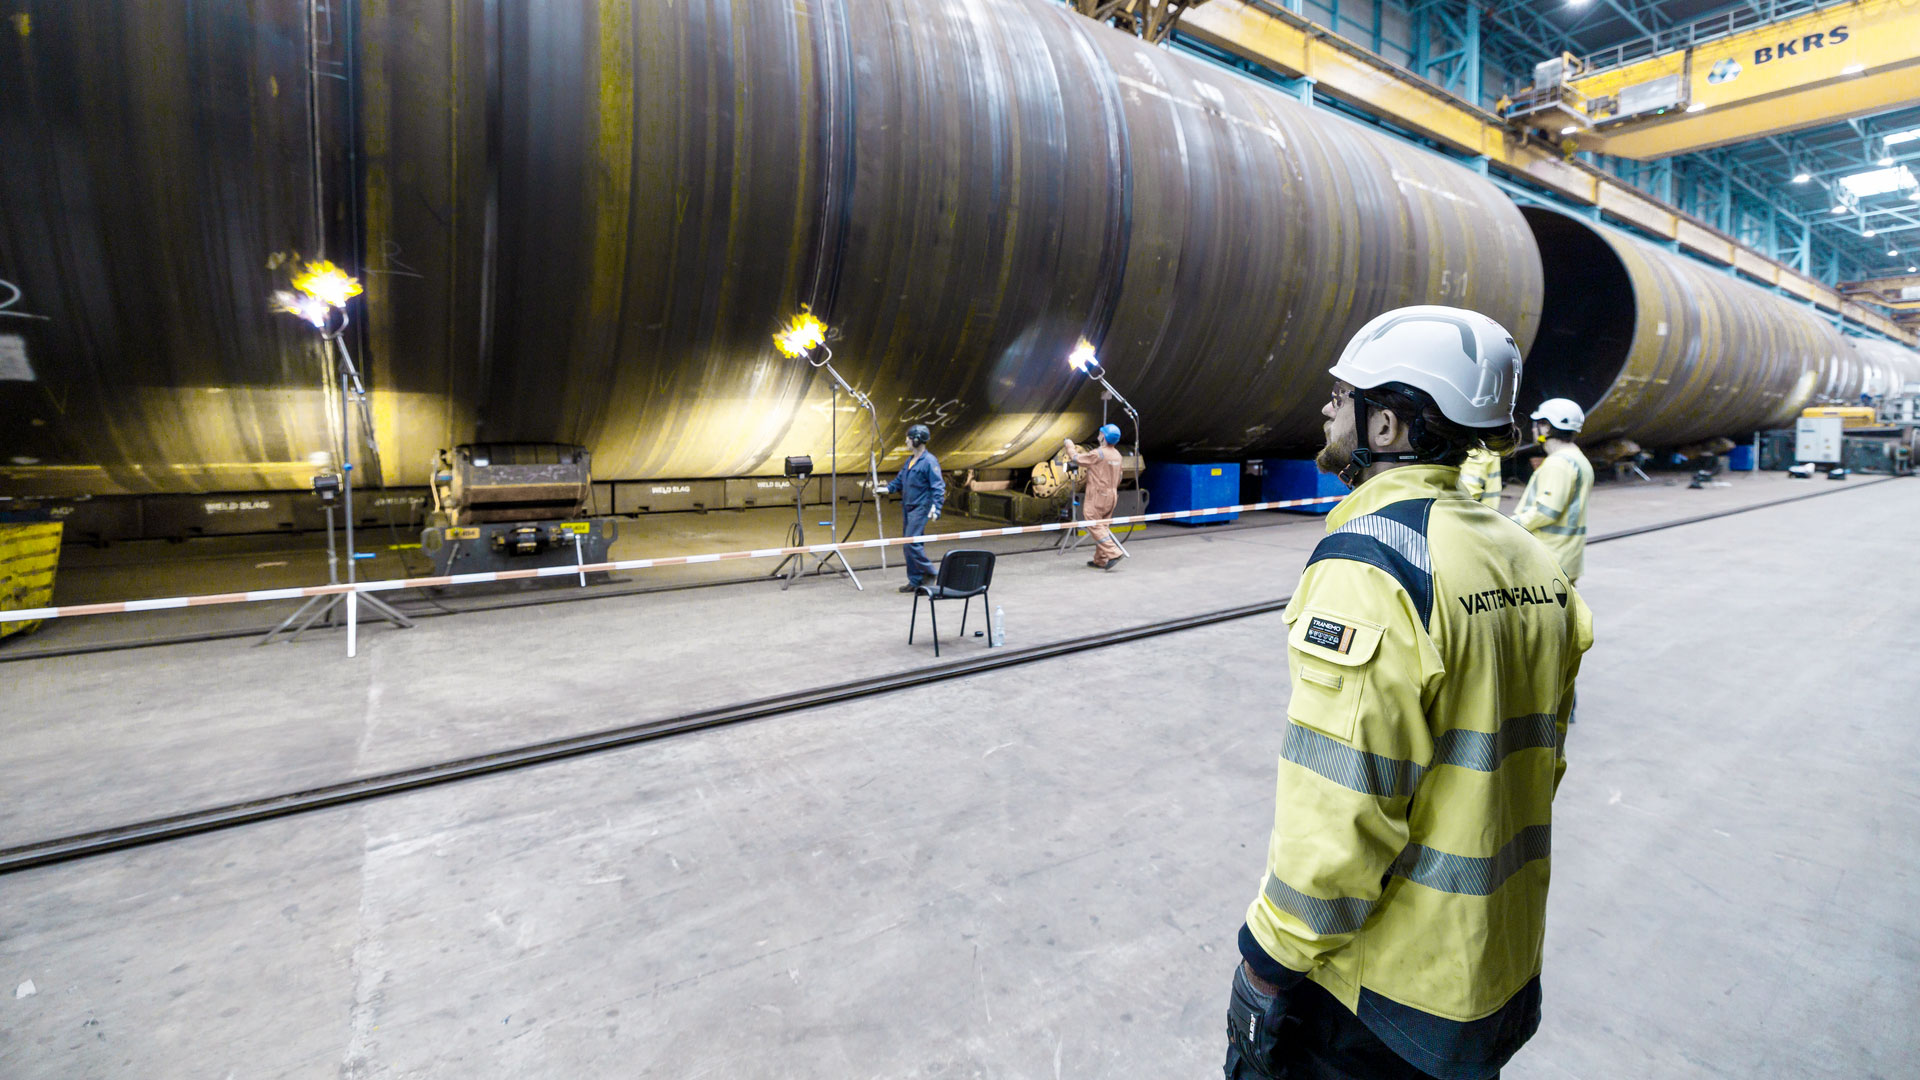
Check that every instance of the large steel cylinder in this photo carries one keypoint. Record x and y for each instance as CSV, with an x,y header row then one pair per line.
x,y
1667,350
1884,367
153,157
582,223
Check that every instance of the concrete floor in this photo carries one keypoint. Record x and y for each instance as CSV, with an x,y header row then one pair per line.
x,y
149,569
981,877
255,722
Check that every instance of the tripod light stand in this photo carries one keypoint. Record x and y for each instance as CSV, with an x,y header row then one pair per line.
x,y
799,471
322,290
798,341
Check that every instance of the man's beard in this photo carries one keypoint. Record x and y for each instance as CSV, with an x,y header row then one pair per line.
x,y
1335,456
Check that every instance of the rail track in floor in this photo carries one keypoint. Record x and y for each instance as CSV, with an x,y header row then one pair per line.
x,y
233,815
439,603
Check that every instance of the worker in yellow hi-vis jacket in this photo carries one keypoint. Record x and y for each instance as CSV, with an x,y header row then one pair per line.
x,y
1480,476
1433,647
1554,506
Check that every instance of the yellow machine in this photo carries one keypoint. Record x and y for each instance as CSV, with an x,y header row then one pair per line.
x,y
28,554
1851,416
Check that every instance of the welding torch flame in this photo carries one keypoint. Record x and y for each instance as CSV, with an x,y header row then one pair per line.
x,y
1083,359
306,307
317,289
801,336
327,283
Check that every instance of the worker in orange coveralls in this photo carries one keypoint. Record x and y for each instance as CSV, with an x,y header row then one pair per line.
x,y
1101,464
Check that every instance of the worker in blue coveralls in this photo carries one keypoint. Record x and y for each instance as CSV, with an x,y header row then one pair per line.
x,y
922,491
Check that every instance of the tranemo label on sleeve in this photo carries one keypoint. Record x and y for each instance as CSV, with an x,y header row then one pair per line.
x,y
1329,635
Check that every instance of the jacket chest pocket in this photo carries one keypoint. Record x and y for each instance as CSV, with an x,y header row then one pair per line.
x,y
1329,655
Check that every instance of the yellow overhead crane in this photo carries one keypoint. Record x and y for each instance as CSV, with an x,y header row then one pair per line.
x,y
1827,64
1291,45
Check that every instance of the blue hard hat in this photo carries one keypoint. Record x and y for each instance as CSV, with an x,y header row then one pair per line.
x,y
1111,433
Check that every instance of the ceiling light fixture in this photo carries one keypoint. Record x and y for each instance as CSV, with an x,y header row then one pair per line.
x,y
1878,181
1569,129
1801,178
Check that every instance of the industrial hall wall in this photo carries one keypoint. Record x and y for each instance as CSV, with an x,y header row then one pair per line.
x,y
582,223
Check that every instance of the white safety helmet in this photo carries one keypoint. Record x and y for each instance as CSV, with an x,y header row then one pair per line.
x,y
1465,361
1562,413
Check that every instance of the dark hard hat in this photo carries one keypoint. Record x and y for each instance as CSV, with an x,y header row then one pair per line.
x,y
918,433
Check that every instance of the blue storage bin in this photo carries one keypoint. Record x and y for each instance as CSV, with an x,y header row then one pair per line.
x,y
1193,487
1298,478
1740,459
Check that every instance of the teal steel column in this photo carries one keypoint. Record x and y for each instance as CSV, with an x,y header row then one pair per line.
x,y
1472,48
1417,20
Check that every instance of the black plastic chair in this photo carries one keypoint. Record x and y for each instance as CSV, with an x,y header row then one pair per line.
x,y
963,576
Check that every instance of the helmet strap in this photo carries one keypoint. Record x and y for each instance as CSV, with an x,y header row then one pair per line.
x,y
1365,457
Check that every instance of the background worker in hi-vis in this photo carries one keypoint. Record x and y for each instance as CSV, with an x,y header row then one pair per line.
x,y
1480,476
1433,646
1554,506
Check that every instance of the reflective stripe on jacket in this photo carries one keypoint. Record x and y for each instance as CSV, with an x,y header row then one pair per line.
x,y
1433,648
1480,477
1554,507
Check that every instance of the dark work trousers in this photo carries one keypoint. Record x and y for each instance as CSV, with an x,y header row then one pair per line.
x,y
919,568
1323,1041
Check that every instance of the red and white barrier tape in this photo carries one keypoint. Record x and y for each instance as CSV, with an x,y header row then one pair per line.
x,y
391,585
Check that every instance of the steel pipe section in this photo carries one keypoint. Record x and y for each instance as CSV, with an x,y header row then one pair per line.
x,y
155,156
582,223
1885,367
1666,350
1663,349
961,190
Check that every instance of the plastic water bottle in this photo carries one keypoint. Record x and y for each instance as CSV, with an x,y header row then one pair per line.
x,y
999,636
